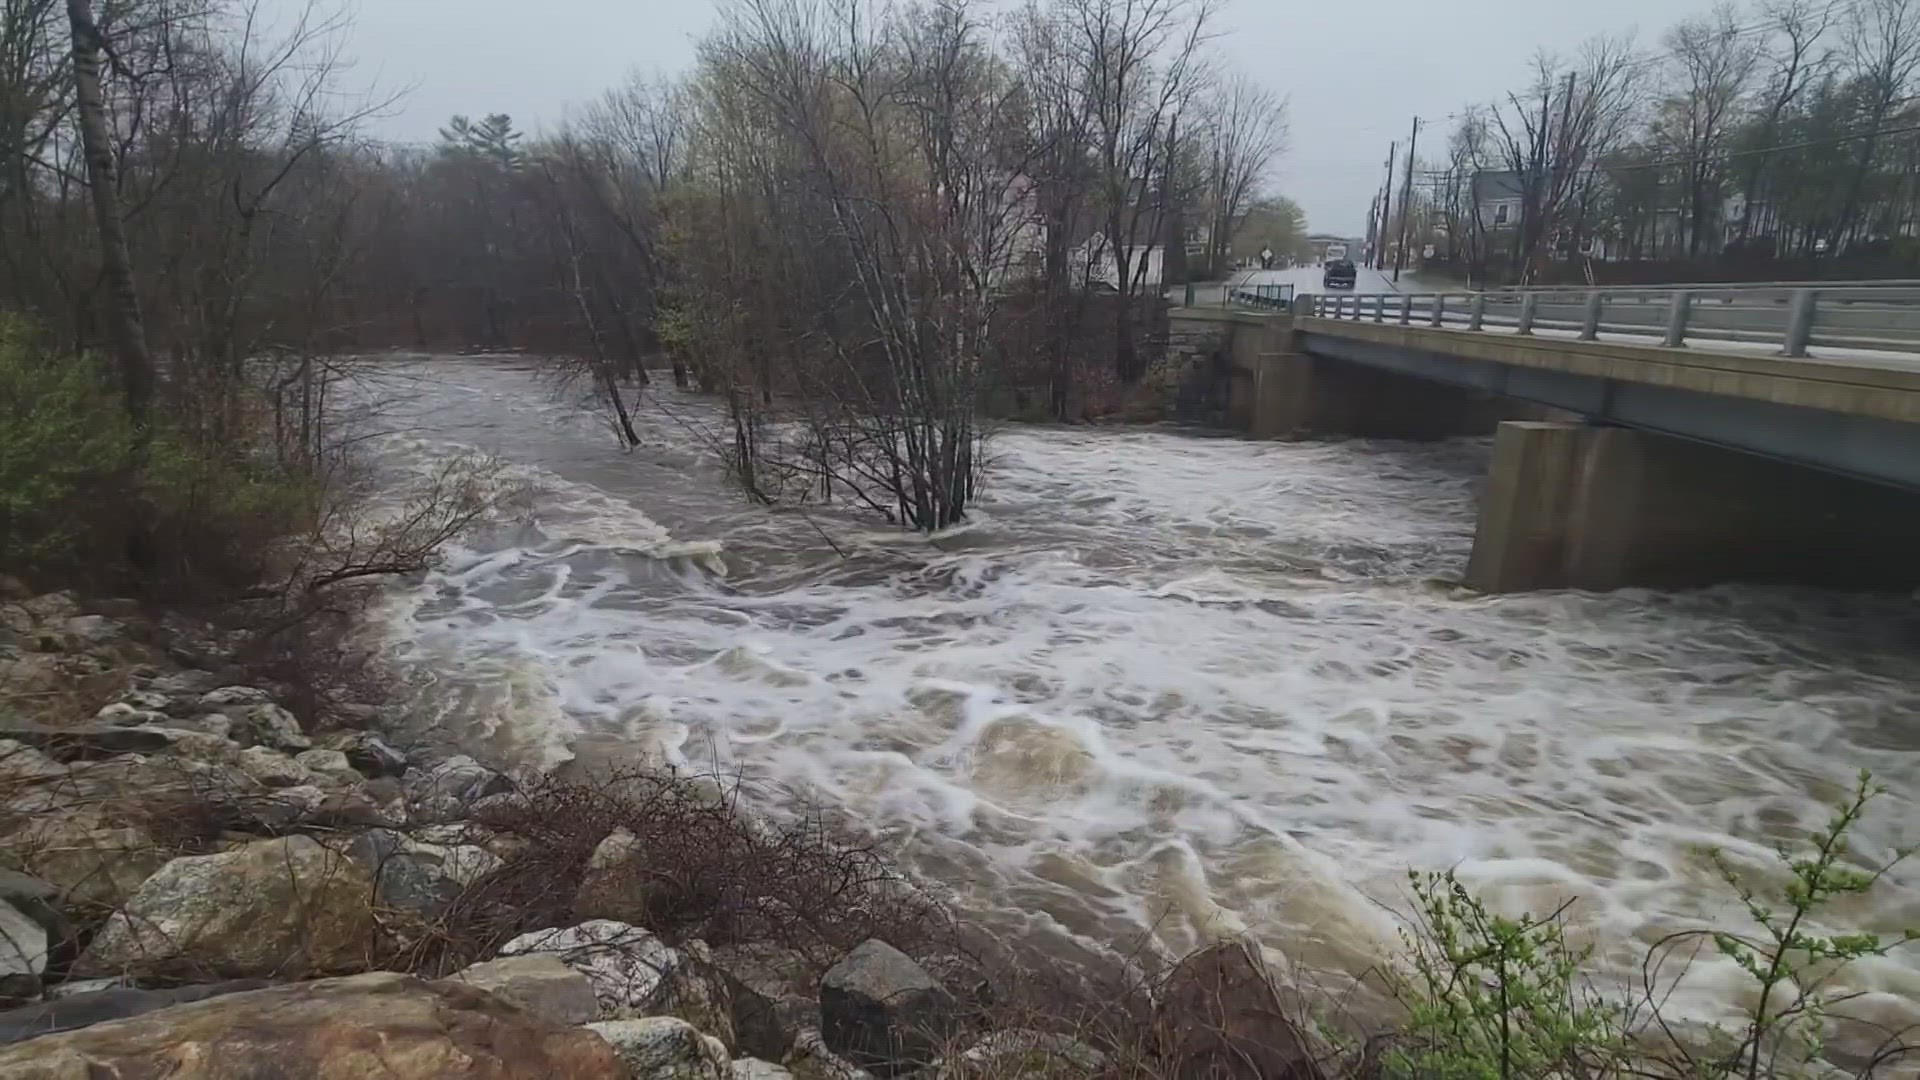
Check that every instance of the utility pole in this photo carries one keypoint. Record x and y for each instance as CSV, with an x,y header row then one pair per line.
x,y
1386,211
1373,222
1406,203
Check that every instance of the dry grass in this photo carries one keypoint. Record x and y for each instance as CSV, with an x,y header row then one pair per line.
x,y
696,866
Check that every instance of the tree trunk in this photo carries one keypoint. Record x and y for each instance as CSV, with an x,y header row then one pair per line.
x,y
124,325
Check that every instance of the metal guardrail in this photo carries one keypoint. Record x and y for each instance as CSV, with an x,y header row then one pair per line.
x,y
1271,296
1875,319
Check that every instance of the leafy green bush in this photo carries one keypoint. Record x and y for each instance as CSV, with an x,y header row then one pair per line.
x,y
65,448
83,496
1495,998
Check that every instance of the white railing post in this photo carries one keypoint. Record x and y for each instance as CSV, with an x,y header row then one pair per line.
x,y
1477,317
1590,323
1525,326
1678,307
1439,309
1379,307
1406,308
1800,321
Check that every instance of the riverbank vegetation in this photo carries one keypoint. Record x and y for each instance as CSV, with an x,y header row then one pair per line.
x,y
1770,140
181,835
865,227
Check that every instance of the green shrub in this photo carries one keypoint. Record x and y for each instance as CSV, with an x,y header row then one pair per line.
x,y
1493,997
84,499
65,448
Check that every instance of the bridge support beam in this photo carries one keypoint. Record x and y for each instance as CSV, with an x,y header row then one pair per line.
x,y
1298,395
1584,507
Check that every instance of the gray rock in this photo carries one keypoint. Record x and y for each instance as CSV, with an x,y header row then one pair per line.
x,y
35,899
628,967
416,877
610,888
882,1011
330,764
270,768
755,1069
146,701
81,742
227,696
266,724
540,984
1020,1050
284,908
282,810
125,714
370,755
665,1048
73,987
90,862
84,1010
23,953
458,781
184,687
18,761
811,1060
218,725
91,631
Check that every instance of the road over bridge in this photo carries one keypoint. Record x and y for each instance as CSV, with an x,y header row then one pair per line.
x,y
1649,436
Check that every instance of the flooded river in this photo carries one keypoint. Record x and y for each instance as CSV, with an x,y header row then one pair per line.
x,y
1164,686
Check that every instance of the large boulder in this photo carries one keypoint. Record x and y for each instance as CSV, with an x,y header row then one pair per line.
x,y
92,862
456,782
73,1011
384,1025
257,721
1220,1015
369,754
705,994
272,908
418,877
540,984
613,885
630,968
1025,1052
882,1011
330,764
665,1048
24,945
79,742
755,1069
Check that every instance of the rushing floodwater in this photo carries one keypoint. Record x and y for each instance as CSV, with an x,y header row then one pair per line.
x,y
1165,686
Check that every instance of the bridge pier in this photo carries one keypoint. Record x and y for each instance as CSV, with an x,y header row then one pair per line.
x,y
1569,505
1298,395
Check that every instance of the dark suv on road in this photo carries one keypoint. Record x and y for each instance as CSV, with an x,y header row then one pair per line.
x,y
1340,275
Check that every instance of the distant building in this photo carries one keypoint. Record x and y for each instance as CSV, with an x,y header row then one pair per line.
x,y
1498,197
1318,243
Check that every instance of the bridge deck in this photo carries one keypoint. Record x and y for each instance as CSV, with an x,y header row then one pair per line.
x,y
1850,382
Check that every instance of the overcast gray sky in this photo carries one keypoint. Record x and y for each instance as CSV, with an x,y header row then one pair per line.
x,y
1356,72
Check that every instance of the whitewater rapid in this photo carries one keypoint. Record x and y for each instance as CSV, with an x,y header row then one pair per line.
x,y
1163,687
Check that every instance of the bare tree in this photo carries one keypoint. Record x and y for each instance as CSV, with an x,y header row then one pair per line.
x,y
124,323
1140,66
1881,52
1245,129
1794,62
1552,138
1713,60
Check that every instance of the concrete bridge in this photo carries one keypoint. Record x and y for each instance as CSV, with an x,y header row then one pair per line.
x,y
1643,437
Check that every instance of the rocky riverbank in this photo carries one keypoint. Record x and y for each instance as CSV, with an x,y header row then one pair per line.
x,y
198,882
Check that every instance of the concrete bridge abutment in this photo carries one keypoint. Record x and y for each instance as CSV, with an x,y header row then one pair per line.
x,y
1298,395
1579,506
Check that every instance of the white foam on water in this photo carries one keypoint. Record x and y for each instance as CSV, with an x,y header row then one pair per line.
x,y
1168,688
